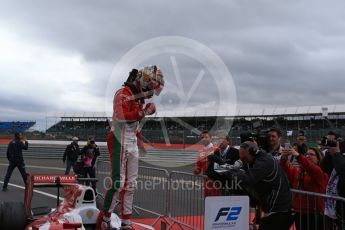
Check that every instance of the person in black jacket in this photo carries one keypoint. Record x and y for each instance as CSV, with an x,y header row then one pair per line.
x,y
15,158
224,151
264,179
71,154
223,154
334,165
89,153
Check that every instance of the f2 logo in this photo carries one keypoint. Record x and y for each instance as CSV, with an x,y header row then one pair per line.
x,y
231,213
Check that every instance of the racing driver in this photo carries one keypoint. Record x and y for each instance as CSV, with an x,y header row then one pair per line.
x,y
124,140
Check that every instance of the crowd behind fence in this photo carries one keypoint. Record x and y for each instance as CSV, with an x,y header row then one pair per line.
x,y
177,199
309,216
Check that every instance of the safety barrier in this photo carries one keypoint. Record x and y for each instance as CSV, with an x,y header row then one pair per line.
x,y
186,200
103,170
150,198
152,184
310,211
176,200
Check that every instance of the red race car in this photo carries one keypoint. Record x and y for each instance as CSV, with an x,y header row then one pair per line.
x,y
77,210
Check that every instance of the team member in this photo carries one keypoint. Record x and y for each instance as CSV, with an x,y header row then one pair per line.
x,y
123,140
15,158
201,164
211,188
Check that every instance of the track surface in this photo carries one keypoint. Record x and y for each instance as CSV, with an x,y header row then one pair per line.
x,y
145,198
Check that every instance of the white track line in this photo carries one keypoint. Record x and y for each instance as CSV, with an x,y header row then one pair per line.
x,y
36,191
38,167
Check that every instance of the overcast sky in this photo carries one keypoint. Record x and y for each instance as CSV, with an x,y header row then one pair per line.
x,y
59,55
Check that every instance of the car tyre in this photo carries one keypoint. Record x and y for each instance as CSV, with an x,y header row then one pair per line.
x,y
12,215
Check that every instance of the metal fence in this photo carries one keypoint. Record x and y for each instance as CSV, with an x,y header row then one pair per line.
x,y
310,211
186,200
152,187
176,201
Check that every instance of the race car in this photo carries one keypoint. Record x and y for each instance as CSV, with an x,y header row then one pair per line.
x,y
77,210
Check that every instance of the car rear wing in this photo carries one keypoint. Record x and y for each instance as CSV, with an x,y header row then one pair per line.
x,y
43,180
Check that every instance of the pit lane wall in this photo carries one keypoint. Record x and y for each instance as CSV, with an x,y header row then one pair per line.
x,y
43,149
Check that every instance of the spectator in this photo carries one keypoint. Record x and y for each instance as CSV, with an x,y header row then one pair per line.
x,y
265,181
90,153
334,165
302,148
308,177
211,188
15,158
71,154
299,146
274,137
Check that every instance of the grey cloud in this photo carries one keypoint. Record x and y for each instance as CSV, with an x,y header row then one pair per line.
x,y
24,104
280,53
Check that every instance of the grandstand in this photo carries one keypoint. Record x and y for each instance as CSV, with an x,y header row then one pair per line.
x,y
81,125
179,128
15,126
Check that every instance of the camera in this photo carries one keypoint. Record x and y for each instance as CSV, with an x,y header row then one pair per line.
x,y
227,167
260,137
92,142
330,143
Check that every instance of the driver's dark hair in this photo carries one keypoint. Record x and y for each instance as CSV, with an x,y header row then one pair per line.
x,y
132,75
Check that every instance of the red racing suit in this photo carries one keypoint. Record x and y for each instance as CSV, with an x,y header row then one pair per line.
x,y
211,188
123,150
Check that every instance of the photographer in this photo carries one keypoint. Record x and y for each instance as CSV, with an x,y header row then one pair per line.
x,y
89,153
331,137
264,179
274,138
334,165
